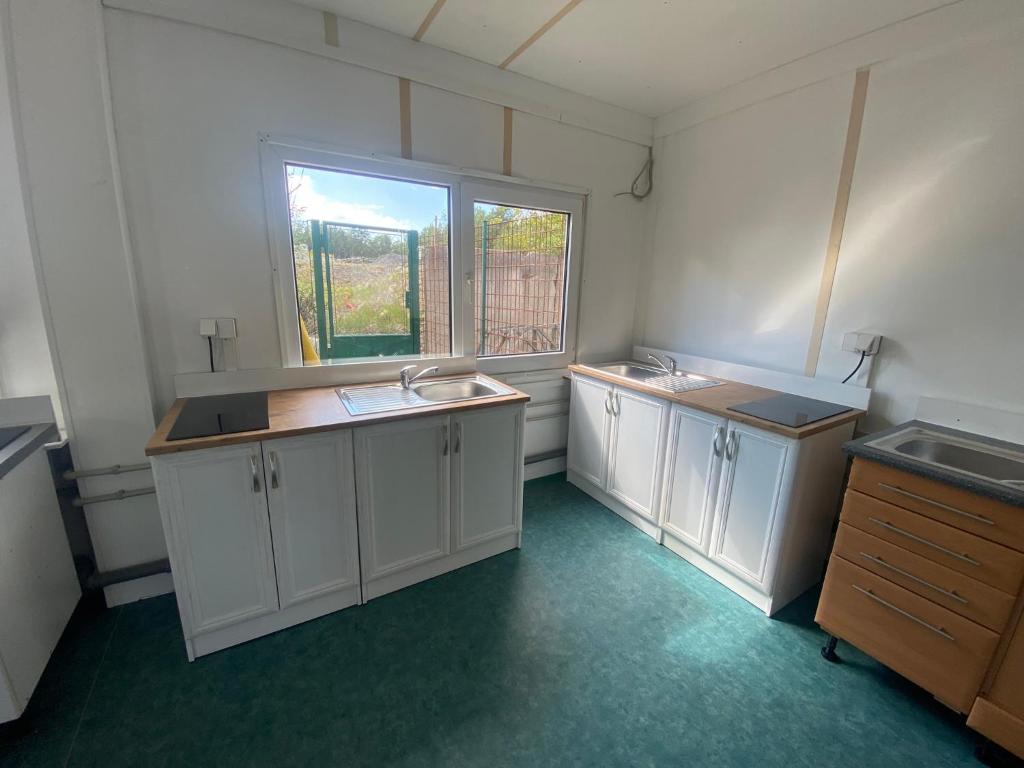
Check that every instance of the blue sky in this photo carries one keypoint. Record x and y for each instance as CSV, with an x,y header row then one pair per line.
x,y
353,199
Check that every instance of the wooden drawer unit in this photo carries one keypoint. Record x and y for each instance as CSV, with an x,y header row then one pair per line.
x,y
953,590
994,564
942,652
980,515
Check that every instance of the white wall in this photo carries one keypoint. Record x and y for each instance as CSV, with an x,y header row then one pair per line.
x,y
188,104
82,256
25,364
931,255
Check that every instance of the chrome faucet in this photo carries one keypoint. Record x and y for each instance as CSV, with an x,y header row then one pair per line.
x,y
407,380
672,371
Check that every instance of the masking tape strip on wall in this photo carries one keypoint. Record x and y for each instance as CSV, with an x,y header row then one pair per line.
x,y
330,29
405,116
506,158
835,237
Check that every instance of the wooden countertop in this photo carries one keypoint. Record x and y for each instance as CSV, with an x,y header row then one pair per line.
x,y
315,409
717,400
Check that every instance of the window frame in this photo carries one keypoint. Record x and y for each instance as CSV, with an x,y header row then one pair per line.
x,y
465,187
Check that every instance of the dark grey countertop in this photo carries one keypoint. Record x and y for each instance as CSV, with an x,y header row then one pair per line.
x,y
973,483
15,452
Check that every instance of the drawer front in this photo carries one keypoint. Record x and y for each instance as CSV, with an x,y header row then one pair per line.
x,y
945,654
996,565
988,518
951,589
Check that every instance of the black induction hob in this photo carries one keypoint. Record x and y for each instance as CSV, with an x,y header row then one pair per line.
x,y
790,410
221,414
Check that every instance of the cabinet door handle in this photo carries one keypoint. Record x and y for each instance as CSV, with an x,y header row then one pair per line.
x,y
608,402
717,442
444,446
939,504
920,540
730,445
273,469
458,436
901,612
255,474
895,569
615,404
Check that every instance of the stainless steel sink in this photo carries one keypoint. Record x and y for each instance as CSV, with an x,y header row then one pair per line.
x,y
679,381
460,389
976,458
379,398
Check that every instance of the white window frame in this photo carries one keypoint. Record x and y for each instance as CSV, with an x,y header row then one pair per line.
x,y
544,199
465,188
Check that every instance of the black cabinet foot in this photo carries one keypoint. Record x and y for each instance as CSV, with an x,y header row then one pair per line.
x,y
828,651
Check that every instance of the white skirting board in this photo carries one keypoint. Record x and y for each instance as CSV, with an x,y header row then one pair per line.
x,y
138,589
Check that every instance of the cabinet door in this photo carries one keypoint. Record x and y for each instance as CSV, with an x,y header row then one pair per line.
x,y
589,424
749,502
487,466
402,488
215,510
696,444
312,494
637,446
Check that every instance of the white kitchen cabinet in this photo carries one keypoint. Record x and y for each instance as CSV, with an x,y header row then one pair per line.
x,y
750,501
403,494
752,508
311,490
635,450
589,429
486,495
616,447
214,510
693,465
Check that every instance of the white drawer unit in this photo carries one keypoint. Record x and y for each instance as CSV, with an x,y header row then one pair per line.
x,y
752,508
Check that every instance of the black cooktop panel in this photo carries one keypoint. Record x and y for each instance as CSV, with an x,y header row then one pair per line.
x,y
790,410
221,415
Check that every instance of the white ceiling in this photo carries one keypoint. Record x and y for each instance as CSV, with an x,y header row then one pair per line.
x,y
649,56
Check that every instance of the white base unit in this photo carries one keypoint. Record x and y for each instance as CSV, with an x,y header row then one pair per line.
x,y
38,585
751,508
265,535
616,449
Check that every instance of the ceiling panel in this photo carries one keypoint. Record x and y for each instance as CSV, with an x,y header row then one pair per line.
x,y
401,16
489,30
653,56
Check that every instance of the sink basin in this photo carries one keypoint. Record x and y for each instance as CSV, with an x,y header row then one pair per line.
x,y
461,389
379,398
991,462
679,381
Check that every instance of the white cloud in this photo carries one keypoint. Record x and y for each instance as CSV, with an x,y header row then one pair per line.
x,y
315,205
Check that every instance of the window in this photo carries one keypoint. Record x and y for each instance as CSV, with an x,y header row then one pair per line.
x,y
521,258
365,252
371,258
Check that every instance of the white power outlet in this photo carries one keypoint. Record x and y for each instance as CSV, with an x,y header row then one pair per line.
x,y
859,342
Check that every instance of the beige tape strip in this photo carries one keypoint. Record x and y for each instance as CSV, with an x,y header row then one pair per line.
x,y
405,116
506,160
428,20
330,29
540,32
835,237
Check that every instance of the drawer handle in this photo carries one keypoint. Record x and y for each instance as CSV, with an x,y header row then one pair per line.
x,y
901,612
932,544
947,592
939,504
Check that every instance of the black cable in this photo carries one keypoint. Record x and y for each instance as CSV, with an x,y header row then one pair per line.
x,y
210,340
859,364
648,169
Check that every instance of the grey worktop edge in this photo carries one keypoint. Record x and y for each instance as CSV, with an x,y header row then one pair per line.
x,y
12,454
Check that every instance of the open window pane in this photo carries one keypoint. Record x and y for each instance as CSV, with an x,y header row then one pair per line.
x,y
372,260
521,260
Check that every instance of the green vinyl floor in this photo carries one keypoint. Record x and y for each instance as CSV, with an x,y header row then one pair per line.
x,y
590,646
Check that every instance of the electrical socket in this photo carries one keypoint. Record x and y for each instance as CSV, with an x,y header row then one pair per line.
x,y
862,343
207,327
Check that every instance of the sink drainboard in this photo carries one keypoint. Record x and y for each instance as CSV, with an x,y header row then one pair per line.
x,y
680,383
390,397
